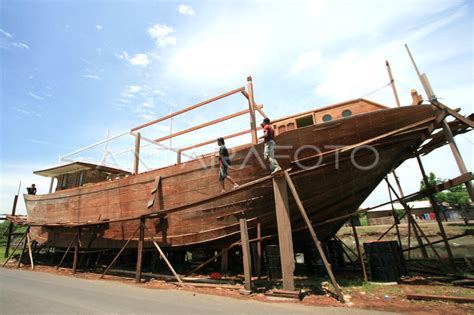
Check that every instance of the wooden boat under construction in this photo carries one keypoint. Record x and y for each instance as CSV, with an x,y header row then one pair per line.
x,y
335,155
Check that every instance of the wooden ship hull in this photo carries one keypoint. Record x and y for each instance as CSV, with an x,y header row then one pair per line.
x,y
189,210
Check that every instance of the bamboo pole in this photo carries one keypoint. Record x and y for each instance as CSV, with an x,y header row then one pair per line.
x,y
359,255
314,237
189,108
392,83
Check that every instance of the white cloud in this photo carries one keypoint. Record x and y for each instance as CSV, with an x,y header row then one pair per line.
x,y
134,89
6,34
99,27
91,76
161,34
36,96
186,9
20,45
139,59
27,112
147,105
124,100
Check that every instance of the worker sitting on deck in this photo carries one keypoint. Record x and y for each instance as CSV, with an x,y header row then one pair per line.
x,y
269,151
31,190
224,162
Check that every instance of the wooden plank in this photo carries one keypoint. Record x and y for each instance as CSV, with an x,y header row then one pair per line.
x,y
189,108
136,154
138,273
285,238
314,237
167,262
246,254
252,106
209,123
224,261
431,297
156,186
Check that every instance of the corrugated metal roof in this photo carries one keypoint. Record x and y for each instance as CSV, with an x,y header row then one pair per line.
x,y
76,167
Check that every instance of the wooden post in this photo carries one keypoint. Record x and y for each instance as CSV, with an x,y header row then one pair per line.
x,y
138,274
76,251
447,131
259,251
136,155
285,238
23,249
410,217
178,157
225,262
253,124
10,226
67,251
392,83
51,185
434,204
361,259
309,225
246,254
30,252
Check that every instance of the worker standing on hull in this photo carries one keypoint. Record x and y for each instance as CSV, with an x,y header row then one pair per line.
x,y
224,162
269,151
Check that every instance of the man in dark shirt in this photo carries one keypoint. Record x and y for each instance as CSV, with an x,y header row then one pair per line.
x,y
269,151
224,162
31,190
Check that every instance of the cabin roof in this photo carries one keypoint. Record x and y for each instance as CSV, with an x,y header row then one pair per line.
x,y
76,167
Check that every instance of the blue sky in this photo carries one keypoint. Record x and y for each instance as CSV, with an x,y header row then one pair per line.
x,y
74,71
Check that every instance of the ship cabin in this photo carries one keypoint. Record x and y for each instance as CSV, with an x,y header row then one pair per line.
x,y
325,114
77,174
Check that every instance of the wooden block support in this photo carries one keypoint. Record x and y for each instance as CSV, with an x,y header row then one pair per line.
x,y
225,262
246,254
285,238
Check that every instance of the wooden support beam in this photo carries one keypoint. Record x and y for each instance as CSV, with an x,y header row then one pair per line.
x,y
209,123
285,239
22,250
395,216
309,225
164,258
10,226
76,251
259,251
14,250
430,297
253,123
119,253
30,252
435,206
67,251
359,255
189,108
244,236
136,154
138,273
392,83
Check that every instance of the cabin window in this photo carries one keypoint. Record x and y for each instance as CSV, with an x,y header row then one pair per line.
x,y
304,121
290,126
64,181
327,117
281,129
346,113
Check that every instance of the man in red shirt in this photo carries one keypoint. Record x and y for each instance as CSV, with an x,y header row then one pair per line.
x,y
269,151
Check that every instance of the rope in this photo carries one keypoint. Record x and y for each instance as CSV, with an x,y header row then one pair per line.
x,y
376,90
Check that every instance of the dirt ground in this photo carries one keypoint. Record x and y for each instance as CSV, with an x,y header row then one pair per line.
x,y
368,296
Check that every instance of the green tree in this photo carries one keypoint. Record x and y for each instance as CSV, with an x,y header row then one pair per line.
x,y
455,196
